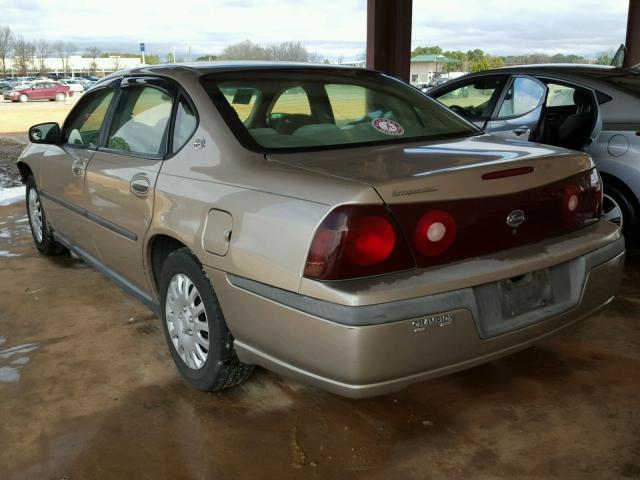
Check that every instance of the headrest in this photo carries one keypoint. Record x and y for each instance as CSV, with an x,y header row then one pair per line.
x,y
582,98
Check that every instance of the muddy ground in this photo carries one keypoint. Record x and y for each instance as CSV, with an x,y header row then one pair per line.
x,y
88,391
9,151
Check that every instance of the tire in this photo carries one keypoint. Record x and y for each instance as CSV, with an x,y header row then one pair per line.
x,y
618,208
221,368
60,97
40,229
23,98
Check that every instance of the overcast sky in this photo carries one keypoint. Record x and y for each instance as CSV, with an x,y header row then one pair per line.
x,y
329,27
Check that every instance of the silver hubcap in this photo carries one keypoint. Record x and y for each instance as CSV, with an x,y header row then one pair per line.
x,y
187,321
35,214
611,210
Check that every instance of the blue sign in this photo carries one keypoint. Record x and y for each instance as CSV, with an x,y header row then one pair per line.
x,y
142,48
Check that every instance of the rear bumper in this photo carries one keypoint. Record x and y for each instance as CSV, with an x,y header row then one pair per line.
x,y
326,344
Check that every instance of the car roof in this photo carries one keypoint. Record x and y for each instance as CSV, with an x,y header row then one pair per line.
x,y
203,68
577,69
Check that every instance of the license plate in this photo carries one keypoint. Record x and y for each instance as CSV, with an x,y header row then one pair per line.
x,y
525,293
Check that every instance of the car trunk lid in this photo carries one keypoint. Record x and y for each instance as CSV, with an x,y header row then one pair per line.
x,y
469,197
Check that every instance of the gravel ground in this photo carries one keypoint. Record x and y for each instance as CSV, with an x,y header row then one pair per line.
x,y
9,151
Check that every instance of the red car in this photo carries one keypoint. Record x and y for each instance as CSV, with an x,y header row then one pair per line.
x,y
43,90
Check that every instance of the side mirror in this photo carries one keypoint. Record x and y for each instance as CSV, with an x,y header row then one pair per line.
x,y
48,133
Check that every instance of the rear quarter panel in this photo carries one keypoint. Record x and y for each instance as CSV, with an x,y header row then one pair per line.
x,y
275,209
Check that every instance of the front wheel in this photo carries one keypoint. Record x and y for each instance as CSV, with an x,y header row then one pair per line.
x,y
23,97
40,229
195,330
60,96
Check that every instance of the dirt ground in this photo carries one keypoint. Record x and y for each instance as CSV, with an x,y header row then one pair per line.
x,y
88,391
16,117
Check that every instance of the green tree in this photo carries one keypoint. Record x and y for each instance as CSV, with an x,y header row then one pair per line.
x,y
426,51
152,59
206,58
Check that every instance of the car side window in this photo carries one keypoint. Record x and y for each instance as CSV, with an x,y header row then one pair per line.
x,y
292,101
523,95
85,122
560,95
141,120
348,102
473,99
185,124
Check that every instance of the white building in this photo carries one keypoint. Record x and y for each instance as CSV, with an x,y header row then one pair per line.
x,y
77,65
424,67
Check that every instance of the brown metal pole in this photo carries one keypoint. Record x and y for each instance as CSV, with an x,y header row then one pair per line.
x,y
389,36
633,34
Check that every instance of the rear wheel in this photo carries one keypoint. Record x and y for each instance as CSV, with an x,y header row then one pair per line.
x,y
40,229
23,97
619,209
60,96
195,330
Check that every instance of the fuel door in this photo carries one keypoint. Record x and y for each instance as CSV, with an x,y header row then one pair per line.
x,y
217,232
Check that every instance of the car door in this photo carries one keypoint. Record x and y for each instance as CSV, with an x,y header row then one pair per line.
x,y
473,98
35,92
64,166
519,108
122,174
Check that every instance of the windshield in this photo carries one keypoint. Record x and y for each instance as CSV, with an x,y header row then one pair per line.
x,y
276,110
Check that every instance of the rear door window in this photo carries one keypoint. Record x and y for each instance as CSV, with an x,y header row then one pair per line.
x,y
185,124
83,126
141,120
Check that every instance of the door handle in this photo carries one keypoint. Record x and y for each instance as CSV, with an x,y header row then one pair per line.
x,y
140,185
78,167
520,130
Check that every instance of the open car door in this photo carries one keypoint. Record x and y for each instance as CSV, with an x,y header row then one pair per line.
x,y
519,110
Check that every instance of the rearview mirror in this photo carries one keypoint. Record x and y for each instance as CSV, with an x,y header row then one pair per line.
x,y
48,133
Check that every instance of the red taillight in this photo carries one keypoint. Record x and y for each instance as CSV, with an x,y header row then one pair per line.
x,y
582,200
370,240
356,241
435,233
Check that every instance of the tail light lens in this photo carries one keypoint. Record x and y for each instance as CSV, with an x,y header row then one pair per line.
x,y
582,199
356,241
435,233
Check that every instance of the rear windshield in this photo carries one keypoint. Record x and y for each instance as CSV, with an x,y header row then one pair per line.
x,y
308,110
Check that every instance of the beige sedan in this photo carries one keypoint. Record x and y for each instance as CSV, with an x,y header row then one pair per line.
x,y
331,224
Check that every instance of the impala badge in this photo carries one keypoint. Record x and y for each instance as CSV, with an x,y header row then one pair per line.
x,y
515,218
440,320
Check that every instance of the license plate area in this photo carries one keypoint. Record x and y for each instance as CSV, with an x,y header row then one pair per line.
x,y
525,293
516,302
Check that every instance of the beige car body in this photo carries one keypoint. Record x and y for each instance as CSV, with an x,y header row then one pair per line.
x,y
250,219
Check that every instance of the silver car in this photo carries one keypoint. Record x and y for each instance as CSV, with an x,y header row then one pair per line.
x,y
591,108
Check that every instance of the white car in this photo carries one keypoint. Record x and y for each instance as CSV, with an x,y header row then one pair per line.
x,y
74,84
